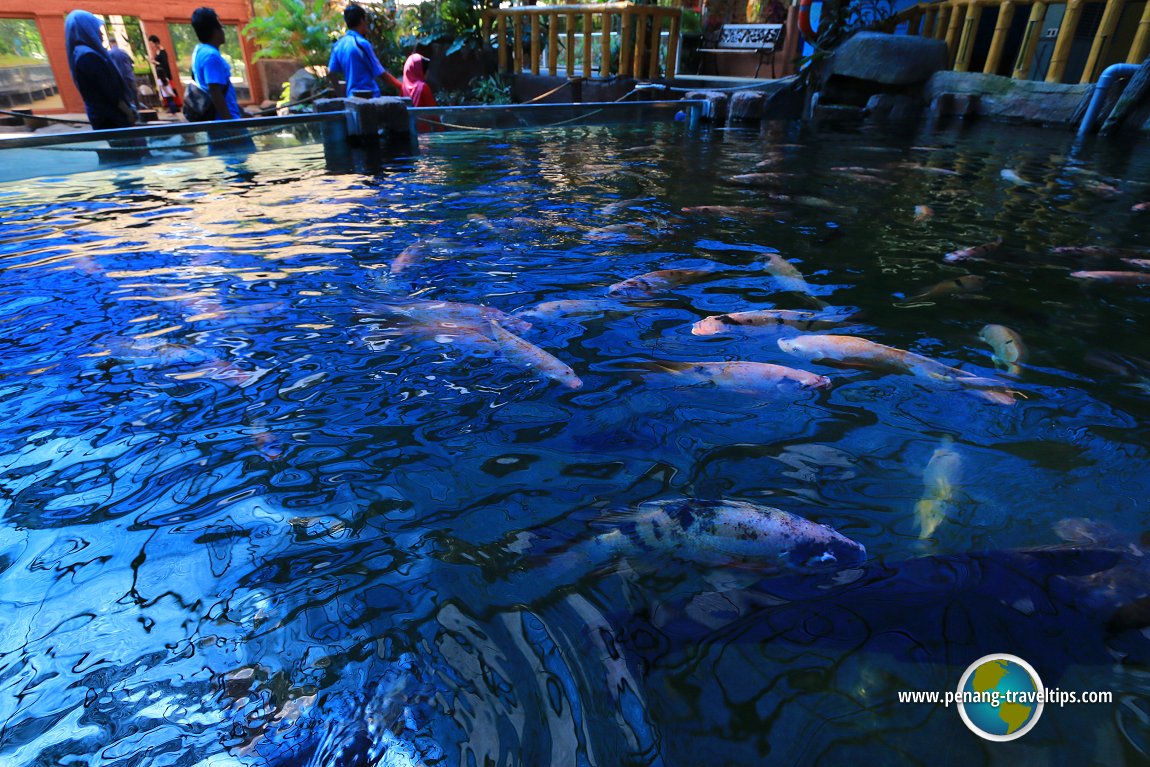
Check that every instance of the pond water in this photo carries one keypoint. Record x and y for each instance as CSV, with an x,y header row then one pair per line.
x,y
251,473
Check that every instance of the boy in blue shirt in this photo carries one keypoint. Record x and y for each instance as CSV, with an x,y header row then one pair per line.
x,y
209,69
354,58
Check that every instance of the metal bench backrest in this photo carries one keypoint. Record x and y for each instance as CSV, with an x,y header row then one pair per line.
x,y
750,36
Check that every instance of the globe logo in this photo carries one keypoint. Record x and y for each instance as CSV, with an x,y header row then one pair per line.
x,y
1000,697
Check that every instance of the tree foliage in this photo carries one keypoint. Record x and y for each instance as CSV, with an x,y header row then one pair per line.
x,y
303,30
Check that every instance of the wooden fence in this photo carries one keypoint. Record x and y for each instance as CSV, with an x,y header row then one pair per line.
x,y
957,22
629,40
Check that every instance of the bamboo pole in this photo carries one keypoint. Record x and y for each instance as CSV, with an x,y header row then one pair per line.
x,y
944,14
588,28
1102,38
605,47
569,21
516,48
640,44
503,65
953,29
914,23
1061,55
673,45
998,42
626,47
1029,45
929,21
552,43
486,27
656,40
1141,45
966,40
536,52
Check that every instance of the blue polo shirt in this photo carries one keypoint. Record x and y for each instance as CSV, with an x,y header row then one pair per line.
x,y
210,68
353,58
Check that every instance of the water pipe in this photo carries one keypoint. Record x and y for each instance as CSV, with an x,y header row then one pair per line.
x,y
1109,75
805,21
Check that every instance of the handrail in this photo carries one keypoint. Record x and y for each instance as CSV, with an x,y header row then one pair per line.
x,y
638,56
957,22
175,129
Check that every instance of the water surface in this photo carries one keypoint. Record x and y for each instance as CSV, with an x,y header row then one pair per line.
x,y
236,487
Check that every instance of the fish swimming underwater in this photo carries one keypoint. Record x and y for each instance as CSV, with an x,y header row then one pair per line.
x,y
939,480
768,319
855,352
1114,278
659,281
403,717
434,313
1009,350
790,278
974,252
531,355
742,376
1086,602
967,283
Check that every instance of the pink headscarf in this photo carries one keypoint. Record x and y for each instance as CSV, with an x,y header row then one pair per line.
x,y
414,86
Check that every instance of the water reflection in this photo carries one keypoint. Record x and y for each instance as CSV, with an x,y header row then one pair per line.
x,y
254,483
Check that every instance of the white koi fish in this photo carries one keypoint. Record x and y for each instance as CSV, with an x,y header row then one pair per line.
x,y
855,352
939,480
1008,348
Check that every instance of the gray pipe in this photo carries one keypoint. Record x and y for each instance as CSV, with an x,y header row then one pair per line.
x,y
1109,75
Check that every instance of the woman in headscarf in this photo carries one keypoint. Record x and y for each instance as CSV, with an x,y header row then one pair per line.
x,y
95,75
415,87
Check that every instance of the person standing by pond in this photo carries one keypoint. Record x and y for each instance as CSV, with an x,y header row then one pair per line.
x,y
209,68
163,74
415,87
94,74
124,65
353,57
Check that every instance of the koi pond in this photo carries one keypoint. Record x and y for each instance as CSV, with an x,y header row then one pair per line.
x,y
471,460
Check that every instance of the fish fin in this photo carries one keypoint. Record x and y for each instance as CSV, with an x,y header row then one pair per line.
x,y
1084,531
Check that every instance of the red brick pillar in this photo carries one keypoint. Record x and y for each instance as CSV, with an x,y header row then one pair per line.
x,y
52,33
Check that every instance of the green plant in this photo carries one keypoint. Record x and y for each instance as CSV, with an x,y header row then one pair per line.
x,y
692,22
491,89
303,30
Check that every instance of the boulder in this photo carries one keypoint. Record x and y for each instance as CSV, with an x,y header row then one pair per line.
x,y
747,106
889,59
717,103
1003,98
962,105
891,106
303,84
1132,108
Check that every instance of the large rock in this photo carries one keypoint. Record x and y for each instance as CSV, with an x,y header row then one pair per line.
x,y
747,105
1132,109
303,84
1003,98
717,101
889,59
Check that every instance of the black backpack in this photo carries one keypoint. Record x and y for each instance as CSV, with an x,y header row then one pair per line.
x,y
198,104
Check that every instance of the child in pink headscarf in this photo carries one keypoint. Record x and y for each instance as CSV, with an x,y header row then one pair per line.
x,y
415,87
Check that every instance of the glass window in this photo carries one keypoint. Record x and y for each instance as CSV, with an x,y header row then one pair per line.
x,y
26,80
184,40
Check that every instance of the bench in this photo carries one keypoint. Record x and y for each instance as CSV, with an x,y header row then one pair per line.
x,y
747,38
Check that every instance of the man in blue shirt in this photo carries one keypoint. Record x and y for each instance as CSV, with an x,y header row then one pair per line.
x,y
209,69
354,58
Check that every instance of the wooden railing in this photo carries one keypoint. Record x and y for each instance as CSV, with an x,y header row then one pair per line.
x,y
957,22
579,32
